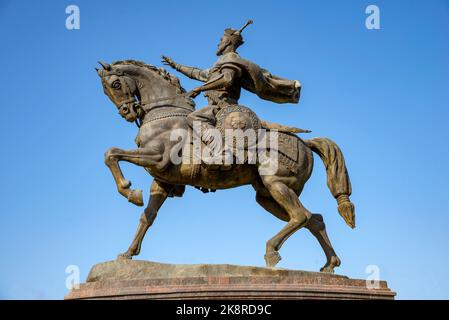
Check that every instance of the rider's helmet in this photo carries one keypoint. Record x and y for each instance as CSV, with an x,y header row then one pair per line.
x,y
235,36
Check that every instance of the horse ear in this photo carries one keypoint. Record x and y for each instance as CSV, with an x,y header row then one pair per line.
x,y
106,66
99,72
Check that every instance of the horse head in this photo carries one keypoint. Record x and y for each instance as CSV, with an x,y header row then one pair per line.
x,y
122,90
135,88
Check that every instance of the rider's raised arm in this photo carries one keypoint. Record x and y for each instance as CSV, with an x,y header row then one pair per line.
x,y
193,73
197,74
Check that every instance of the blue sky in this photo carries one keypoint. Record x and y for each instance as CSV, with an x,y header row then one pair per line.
x,y
382,95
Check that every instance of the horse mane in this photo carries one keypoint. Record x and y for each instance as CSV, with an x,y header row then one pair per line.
x,y
171,79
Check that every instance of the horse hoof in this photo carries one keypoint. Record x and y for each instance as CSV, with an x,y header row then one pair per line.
x,y
135,197
272,259
330,266
124,256
327,269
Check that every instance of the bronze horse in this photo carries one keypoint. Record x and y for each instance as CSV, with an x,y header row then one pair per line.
x,y
134,87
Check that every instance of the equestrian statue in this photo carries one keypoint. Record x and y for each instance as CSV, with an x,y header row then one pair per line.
x,y
155,100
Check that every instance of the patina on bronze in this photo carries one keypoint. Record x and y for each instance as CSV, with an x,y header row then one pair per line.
x,y
155,100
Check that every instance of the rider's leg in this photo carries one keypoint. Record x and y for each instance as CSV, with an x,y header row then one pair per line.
x,y
206,118
205,115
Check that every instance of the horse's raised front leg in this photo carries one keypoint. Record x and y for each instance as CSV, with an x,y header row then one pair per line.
x,y
158,193
144,157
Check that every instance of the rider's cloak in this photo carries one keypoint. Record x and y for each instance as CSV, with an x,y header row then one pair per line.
x,y
260,81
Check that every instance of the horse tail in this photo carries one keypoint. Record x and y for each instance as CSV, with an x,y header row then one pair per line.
x,y
337,175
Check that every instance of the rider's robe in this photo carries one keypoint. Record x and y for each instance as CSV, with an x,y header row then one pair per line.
x,y
260,81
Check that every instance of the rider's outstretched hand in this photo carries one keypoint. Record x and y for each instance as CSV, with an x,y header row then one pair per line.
x,y
169,62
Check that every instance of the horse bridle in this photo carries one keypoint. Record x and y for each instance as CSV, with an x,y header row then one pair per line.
x,y
125,90
147,107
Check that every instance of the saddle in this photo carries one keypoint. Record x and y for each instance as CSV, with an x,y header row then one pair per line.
x,y
241,137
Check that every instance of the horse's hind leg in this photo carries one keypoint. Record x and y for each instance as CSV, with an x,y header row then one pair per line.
x,y
317,227
158,193
272,207
298,216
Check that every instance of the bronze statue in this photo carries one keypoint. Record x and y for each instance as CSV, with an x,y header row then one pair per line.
x,y
155,100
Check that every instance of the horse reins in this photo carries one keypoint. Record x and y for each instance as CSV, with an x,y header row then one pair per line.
x,y
149,106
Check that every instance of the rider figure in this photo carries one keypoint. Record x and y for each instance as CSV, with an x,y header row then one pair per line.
x,y
223,82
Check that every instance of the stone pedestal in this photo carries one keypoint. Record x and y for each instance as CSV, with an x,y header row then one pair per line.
x,y
133,279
